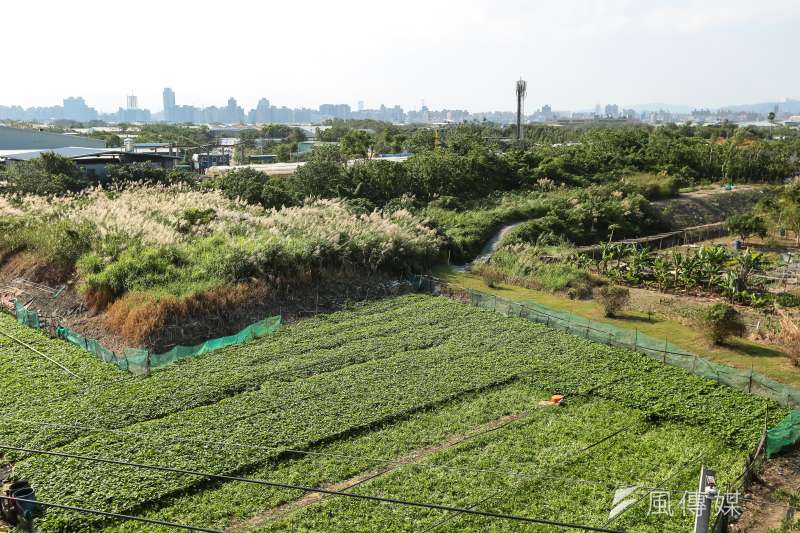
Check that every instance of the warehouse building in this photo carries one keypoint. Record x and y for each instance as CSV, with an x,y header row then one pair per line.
x,y
33,139
93,162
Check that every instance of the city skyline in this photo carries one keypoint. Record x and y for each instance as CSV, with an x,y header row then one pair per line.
x,y
574,54
171,107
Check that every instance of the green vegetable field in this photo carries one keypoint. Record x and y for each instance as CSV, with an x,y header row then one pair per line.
x,y
415,398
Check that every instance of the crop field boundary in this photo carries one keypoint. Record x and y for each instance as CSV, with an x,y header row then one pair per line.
x,y
138,361
782,436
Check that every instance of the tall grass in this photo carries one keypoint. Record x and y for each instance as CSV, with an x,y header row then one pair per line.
x,y
541,268
177,241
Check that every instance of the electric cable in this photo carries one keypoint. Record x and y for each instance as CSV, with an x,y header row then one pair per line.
x,y
304,488
111,515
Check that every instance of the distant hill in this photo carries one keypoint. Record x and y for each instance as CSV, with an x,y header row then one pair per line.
x,y
788,106
672,108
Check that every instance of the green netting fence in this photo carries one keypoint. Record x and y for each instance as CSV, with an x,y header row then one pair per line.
x,y
25,316
140,361
786,434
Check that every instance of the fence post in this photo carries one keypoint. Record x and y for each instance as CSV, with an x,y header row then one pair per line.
x,y
750,384
635,339
707,491
666,343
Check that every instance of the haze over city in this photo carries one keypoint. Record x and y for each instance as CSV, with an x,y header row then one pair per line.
x,y
574,54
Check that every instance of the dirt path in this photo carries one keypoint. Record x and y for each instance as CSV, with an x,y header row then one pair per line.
x,y
767,504
412,457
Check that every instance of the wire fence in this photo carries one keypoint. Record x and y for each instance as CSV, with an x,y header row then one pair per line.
x,y
785,435
726,514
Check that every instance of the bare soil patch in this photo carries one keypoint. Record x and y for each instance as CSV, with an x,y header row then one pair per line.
x,y
767,505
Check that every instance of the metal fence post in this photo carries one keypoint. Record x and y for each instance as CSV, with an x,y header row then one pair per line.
x,y
707,491
666,343
635,339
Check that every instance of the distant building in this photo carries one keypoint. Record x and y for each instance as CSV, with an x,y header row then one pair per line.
x,y
204,161
75,108
341,111
169,105
612,110
31,139
132,101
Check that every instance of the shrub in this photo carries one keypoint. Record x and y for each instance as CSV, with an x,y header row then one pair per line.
x,y
614,299
491,277
719,322
745,225
47,175
245,184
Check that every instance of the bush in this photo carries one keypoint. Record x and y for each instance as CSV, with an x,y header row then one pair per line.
x,y
746,224
614,299
145,172
245,184
47,175
491,277
719,322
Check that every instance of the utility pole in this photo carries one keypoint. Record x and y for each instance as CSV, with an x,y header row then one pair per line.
x,y
705,499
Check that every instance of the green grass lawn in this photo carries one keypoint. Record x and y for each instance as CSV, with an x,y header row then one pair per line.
x,y
739,353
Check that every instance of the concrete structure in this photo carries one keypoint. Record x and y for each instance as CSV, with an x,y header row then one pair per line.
x,y
30,139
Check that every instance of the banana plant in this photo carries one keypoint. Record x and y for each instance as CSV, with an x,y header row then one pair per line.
x,y
745,264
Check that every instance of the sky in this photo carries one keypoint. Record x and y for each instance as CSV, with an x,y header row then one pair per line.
x,y
464,54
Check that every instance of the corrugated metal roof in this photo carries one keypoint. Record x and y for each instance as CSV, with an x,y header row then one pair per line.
x,y
70,151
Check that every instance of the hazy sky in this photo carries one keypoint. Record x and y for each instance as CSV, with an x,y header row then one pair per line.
x,y
456,54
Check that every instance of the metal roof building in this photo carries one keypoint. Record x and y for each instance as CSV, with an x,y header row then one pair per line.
x,y
92,161
31,139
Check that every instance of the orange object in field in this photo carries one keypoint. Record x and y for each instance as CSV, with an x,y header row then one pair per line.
x,y
556,398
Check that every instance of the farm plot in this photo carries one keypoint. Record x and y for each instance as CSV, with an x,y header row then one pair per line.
x,y
381,381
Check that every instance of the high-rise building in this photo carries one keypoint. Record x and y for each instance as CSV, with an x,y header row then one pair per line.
x,y
612,110
169,105
75,108
262,112
361,105
133,102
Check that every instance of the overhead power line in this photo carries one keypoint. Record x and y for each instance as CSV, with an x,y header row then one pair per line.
x,y
304,488
112,515
28,346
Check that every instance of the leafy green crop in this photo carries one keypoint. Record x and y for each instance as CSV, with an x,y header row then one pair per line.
x,y
334,378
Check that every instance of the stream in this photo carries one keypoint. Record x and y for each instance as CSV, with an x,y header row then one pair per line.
x,y
488,248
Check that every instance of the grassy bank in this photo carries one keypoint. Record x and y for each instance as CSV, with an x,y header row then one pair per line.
x,y
739,353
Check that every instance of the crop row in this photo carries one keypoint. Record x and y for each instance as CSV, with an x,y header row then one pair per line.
x,y
395,375
207,380
226,505
28,379
558,477
296,414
